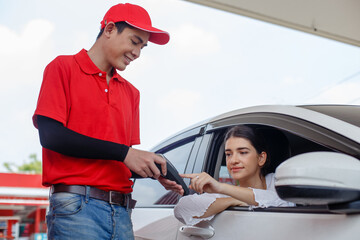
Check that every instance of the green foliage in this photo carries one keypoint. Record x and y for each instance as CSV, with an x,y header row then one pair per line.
x,y
34,166
8,166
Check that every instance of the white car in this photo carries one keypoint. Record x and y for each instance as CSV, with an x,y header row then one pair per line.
x,y
316,149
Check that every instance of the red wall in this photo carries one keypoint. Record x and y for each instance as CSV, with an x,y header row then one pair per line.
x,y
20,180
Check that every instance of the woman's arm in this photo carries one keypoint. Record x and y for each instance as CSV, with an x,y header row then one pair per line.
x,y
220,204
203,182
240,193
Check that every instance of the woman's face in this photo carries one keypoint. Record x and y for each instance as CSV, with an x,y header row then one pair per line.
x,y
242,160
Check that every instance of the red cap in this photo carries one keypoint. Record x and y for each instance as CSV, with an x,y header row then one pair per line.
x,y
137,17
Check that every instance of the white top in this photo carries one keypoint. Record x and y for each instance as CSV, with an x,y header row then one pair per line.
x,y
196,205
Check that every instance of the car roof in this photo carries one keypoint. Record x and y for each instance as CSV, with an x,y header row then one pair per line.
x,y
347,113
332,117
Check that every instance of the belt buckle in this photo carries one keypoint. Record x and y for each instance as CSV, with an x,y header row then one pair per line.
x,y
121,202
110,198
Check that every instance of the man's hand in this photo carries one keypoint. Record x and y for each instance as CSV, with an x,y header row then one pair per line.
x,y
143,163
171,185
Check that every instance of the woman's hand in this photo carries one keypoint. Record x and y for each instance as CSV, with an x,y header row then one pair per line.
x,y
203,182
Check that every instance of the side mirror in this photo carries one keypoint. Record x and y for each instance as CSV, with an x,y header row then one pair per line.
x,y
319,178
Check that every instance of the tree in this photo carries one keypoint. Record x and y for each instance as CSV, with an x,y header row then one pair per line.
x,y
34,166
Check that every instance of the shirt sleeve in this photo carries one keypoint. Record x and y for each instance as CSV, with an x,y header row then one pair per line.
x,y
269,198
195,206
53,101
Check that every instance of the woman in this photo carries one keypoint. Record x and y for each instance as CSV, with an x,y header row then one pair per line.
x,y
246,159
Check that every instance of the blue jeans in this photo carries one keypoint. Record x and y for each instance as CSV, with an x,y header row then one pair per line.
x,y
73,216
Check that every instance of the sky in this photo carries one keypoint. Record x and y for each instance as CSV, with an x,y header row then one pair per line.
x,y
215,62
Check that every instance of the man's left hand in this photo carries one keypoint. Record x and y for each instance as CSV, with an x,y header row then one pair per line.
x,y
171,185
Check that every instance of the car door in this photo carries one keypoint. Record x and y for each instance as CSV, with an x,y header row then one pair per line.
x,y
288,137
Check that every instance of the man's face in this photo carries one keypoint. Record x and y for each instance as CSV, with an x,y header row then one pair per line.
x,y
125,47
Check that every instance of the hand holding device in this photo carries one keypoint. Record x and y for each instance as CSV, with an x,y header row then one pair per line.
x,y
173,175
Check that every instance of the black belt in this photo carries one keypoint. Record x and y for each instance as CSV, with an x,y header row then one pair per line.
x,y
111,197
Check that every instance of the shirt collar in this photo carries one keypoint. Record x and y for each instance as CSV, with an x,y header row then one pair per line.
x,y
87,66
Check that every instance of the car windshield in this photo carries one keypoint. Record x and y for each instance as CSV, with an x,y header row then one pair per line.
x,y
347,113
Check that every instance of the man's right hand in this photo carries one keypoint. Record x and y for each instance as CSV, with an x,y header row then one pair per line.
x,y
143,163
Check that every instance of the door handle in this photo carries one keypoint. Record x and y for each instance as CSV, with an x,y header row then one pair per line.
x,y
205,233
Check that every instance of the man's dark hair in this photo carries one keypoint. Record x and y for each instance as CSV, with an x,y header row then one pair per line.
x,y
255,138
120,27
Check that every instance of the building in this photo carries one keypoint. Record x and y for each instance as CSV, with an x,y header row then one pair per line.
x,y
23,205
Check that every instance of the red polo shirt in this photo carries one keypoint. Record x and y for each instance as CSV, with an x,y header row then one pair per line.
x,y
75,92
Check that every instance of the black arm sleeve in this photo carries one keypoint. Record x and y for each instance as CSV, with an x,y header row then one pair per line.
x,y
56,137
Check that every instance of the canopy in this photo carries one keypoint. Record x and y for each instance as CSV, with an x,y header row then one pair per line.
x,y
334,19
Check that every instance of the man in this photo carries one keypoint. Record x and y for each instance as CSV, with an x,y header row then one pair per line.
x,y
88,119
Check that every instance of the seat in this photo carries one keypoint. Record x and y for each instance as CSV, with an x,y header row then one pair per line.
x,y
278,146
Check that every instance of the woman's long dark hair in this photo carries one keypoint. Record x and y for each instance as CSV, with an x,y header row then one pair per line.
x,y
256,139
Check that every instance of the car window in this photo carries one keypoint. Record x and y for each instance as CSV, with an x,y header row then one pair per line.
x,y
149,192
282,144
224,175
